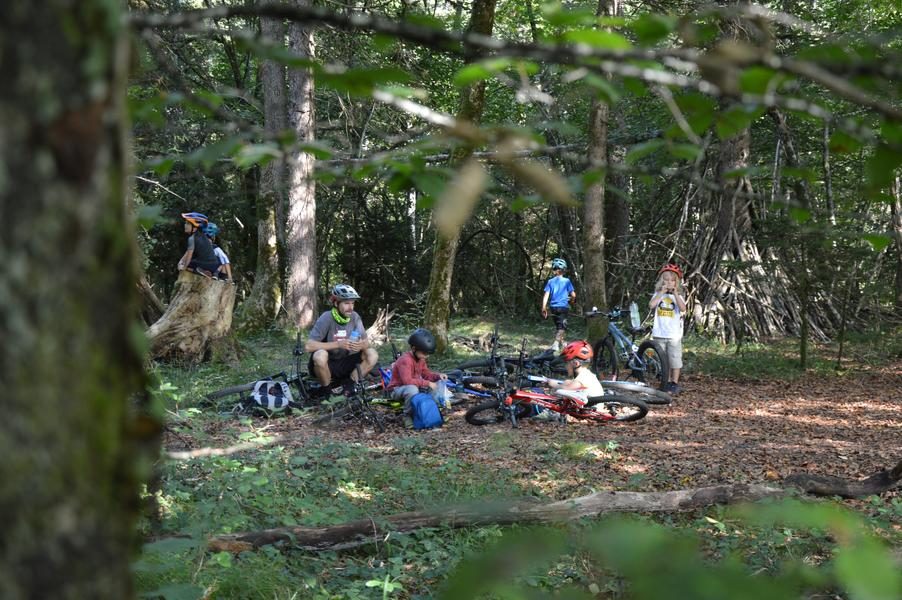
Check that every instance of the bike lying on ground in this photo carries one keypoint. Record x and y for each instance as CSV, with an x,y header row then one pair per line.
x,y
306,388
355,406
619,357
521,403
522,399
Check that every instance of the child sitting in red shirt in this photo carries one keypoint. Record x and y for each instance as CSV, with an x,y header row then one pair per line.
x,y
410,374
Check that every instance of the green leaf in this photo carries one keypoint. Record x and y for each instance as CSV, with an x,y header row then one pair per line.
x,y
558,17
809,175
598,39
223,559
843,143
360,81
736,119
867,571
640,151
877,241
607,93
319,150
430,183
800,215
149,215
256,154
651,28
208,155
685,151
635,86
881,166
759,80
480,71
161,166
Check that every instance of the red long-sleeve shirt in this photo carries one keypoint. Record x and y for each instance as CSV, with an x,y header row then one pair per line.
x,y
407,370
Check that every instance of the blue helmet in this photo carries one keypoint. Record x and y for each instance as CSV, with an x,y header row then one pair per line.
x,y
212,230
195,218
558,263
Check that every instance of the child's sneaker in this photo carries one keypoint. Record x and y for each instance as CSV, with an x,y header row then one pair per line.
x,y
408,422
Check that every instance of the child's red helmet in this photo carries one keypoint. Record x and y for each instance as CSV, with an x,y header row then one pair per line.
x,y
578,350
673,269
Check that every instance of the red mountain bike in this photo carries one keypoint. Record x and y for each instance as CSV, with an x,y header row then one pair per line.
x,y
521,400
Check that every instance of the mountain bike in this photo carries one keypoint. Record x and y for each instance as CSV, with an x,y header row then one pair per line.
x,y
355,406
307,388
546,362
522,399
616,354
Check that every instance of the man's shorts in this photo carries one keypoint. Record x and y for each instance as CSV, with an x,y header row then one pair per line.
x,y
560,317
674,351
340,368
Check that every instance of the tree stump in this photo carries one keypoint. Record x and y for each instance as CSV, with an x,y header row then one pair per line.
x,y
199,315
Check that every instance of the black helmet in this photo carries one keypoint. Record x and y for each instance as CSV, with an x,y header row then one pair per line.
x,y
341,292
422,340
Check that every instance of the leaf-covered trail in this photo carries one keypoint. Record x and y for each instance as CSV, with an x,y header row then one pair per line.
x,y
716,431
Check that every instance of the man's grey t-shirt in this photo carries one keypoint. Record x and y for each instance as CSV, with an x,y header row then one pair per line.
x,y
326,329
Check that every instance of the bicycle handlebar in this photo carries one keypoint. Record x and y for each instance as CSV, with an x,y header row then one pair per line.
x,y
614,313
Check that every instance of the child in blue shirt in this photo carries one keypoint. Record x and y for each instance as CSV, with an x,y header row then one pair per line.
x,y
559,293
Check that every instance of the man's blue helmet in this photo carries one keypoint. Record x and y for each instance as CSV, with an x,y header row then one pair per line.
x,y
212,230
558,263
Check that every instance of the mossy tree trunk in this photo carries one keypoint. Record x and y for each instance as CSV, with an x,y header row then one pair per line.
x,y
438,296
301,296
593,206
265,300
71,362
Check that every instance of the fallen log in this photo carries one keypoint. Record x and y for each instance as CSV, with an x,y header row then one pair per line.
x,y
199,315
374,530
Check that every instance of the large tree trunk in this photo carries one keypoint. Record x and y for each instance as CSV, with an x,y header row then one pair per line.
x,y
198,317
301,282
70,361
897,236
262,305
367,531
593,207
438,296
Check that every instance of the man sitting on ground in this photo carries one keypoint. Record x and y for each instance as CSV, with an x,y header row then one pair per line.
x,y
338,342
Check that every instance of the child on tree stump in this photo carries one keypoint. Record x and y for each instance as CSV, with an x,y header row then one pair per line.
x,y
224,271
199,257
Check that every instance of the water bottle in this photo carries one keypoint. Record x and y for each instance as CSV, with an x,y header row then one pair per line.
x,y
635,321
354,336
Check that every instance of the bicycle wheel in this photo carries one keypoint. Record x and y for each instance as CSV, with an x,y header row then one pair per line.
x,y
650,365
335,414
615,407
485,413
476,363
646,393
605,361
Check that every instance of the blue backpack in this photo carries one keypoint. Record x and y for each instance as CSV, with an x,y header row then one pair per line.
x,y
426,414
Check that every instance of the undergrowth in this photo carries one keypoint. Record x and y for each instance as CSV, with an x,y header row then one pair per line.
x,y
784,551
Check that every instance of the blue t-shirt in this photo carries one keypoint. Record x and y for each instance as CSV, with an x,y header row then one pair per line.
x,y
559,289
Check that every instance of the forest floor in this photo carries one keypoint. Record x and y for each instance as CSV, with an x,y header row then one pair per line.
x,y
719,430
